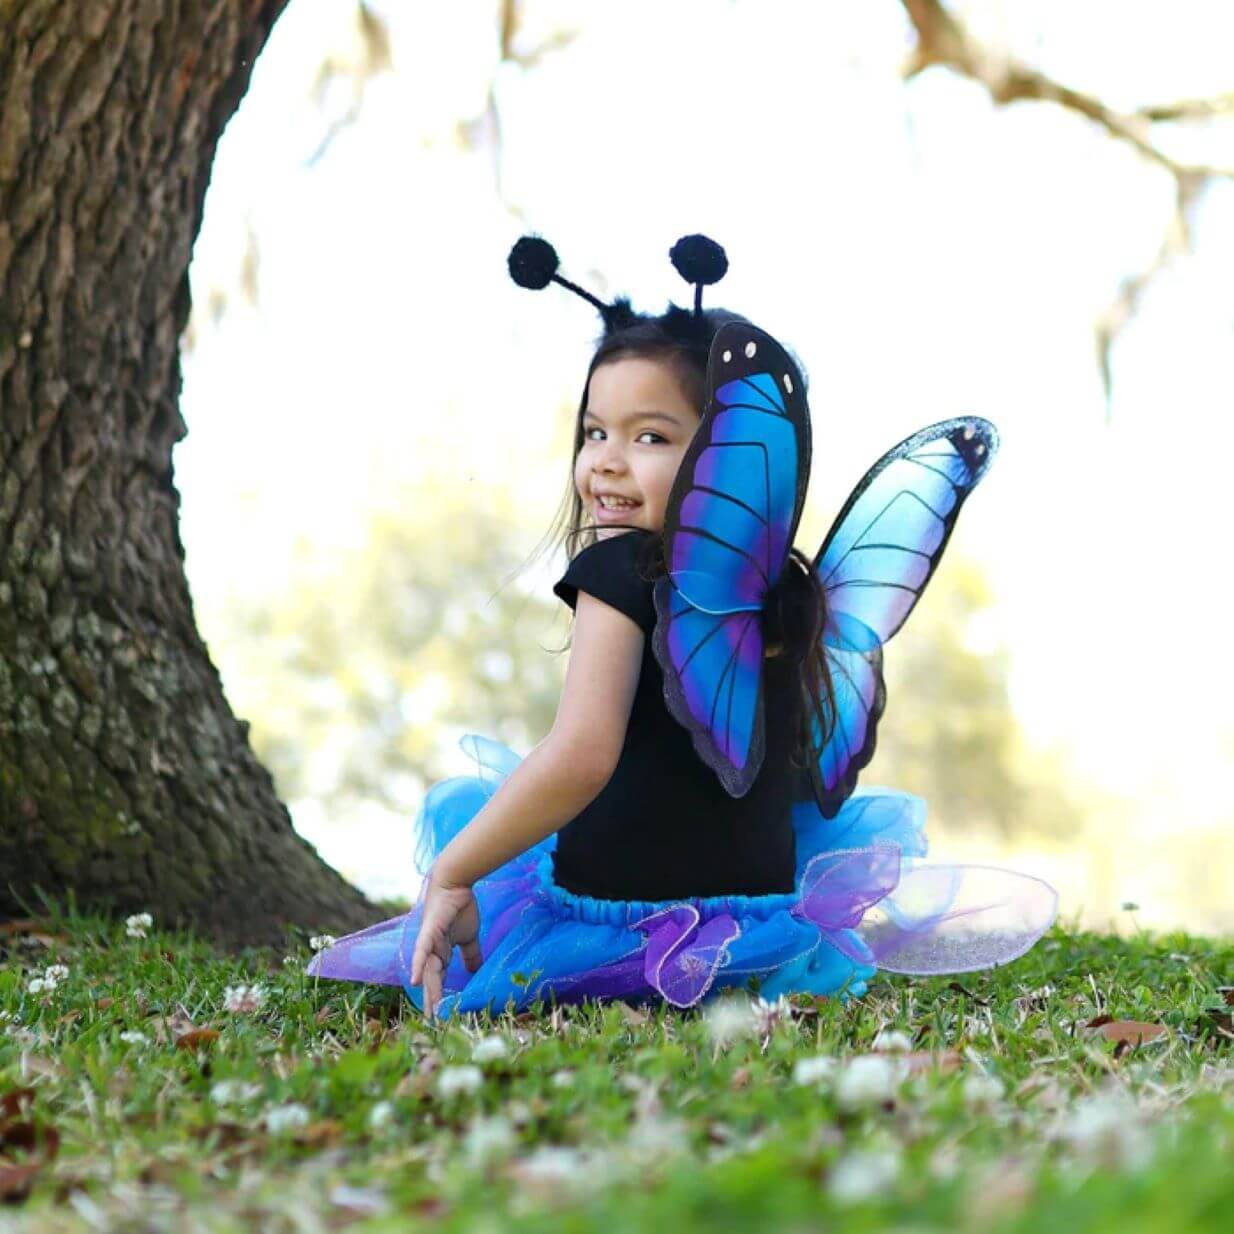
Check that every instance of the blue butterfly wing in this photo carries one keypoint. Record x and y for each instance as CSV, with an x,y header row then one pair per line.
x,y
728,529
876,561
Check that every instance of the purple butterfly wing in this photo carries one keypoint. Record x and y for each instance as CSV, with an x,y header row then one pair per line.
x,y
876,561
728,530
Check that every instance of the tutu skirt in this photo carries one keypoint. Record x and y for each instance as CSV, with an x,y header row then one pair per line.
x,y
864,900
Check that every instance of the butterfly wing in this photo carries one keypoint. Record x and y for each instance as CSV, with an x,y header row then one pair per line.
x,y
728,529
878,557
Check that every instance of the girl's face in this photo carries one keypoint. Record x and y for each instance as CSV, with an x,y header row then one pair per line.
x,y
636,428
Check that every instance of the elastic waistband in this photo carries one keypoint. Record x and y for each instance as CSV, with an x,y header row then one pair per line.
x,y
628,912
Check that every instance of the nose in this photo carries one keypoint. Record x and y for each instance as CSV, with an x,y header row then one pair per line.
x,y
610,457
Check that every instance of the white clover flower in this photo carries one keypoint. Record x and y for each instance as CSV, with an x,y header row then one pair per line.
x,y
488,1140
869,1079
768,1016
381,1115
1107,1129
52,976
982,1090
553,1166
290,961
319,942
563,1079
132,1037
863,1174
653,1138
490,1050
289,1117
892,1041
137,925
242,999
813,1070
728,1019
454,1080
233,1092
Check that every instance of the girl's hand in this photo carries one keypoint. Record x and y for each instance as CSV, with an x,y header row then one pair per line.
x,y
450,919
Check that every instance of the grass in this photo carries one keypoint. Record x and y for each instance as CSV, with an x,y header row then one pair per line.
x,y
334,1106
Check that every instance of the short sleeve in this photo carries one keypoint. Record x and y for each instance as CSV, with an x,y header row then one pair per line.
x,y
609,570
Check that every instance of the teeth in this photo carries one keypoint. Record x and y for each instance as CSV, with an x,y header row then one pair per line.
x,y
615,503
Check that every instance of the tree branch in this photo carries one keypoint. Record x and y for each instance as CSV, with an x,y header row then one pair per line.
x,y
943,40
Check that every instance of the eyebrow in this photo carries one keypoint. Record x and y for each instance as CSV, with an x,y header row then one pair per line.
x,y
638,415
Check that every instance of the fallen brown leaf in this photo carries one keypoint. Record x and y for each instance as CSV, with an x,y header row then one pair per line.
x,y
16,1181
34,1064
197,1039
918,1061
324,1131
741,1078
226,1134
960,989
1221,1021
1130,1032
633,1016
30,1137
103,1003
32,928
16,1103
284,1064
172,1027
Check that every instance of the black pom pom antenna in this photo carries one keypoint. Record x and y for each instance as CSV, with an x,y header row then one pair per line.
x,y
534,263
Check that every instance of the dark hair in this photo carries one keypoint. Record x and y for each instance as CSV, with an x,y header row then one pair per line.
x,y
794,614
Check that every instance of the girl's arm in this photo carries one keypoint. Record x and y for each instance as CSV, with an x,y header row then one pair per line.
x,y
544,792
572,764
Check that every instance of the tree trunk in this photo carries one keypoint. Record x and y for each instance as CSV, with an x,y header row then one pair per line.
x,y
124,776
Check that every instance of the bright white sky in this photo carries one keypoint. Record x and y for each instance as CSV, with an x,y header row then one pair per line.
x,y
925,253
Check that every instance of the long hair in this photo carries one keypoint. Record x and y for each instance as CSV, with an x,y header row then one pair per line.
x,y
795,612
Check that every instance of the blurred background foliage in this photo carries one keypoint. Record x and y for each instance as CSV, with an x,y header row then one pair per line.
x,y
355,674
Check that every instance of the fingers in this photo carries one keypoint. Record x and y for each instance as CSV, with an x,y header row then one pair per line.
x,y
471,955
433,969
418,956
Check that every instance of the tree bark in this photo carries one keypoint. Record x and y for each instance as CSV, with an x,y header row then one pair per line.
x,y
124,776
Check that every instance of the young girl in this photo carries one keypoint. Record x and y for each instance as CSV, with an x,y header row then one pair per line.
x,y
689,823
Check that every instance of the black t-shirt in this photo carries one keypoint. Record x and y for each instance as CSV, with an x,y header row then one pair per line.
x,y
663,826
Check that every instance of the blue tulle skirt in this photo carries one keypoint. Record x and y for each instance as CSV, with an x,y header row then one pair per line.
x,y
862,902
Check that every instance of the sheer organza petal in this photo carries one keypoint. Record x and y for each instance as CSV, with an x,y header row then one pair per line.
x,y
837,889
957,918
370,955
683,956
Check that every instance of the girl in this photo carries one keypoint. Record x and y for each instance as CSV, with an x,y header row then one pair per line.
x,y
689,822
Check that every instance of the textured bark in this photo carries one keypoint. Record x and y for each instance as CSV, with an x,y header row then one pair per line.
x,y
123,774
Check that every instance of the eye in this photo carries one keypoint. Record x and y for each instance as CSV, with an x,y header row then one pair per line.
x,y
649,433
587,433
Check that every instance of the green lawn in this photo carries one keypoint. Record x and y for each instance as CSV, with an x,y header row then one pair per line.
x,y
330,1105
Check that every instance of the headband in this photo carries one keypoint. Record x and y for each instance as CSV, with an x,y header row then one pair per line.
x,y
533,264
